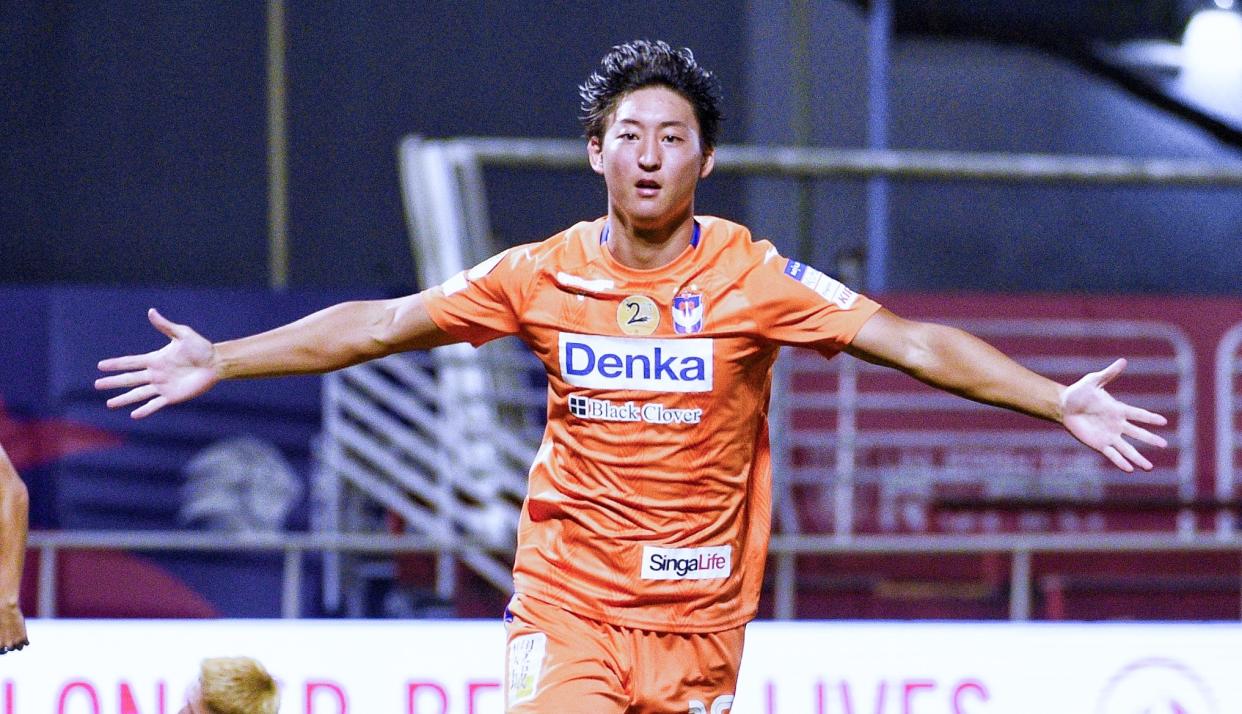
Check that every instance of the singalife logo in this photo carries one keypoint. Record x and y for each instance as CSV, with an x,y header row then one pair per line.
x,y
1156,686
687,563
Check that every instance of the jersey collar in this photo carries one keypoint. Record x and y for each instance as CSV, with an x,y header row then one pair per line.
x,y
694,237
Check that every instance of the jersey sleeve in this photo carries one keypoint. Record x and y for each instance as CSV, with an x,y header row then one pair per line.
x,y
801,306
483,303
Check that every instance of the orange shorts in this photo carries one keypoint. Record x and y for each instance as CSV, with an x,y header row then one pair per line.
x,y
560,663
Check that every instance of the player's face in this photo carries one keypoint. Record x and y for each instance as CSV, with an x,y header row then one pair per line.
x,y
651,158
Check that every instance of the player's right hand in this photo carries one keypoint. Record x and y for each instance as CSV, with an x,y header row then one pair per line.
x,y
182,369
12,629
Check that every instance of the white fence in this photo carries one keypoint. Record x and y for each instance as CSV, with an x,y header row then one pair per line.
x,y
1020,548
849,429
444,451
1228,424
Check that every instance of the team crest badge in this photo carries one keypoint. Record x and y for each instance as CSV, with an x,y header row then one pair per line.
x,y
637,315
688,313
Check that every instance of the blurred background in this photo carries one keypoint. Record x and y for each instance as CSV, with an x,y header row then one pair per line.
x,y
136,142
241,164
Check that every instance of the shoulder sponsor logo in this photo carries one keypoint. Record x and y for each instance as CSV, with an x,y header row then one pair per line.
x,y
653,365
688,313
829,289
687,563
651,413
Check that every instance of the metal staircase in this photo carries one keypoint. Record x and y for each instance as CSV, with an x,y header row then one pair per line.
x,y
442,440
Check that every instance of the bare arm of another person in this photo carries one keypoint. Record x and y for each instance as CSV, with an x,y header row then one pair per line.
x,y
956,361
14,515
339,336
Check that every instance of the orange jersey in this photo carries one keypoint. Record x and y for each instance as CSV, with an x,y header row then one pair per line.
x,y
649,503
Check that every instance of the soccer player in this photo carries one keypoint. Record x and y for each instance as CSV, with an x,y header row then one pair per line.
x,y
14,517
643,537
232,685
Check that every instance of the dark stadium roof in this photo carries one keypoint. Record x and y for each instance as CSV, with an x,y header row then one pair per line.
x,y
1092,33
1048,23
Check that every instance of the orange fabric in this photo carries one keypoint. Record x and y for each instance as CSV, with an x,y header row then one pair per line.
x,y
557,661
649,501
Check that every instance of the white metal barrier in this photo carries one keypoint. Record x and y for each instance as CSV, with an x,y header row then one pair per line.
x,y
902,441
822,162
394,435
462,468
1228,424
1020,549
869,433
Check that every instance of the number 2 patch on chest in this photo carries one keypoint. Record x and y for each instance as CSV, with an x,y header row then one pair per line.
x,y
637,315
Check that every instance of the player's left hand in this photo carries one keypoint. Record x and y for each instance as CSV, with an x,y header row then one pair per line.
x,y
1098,420
12,630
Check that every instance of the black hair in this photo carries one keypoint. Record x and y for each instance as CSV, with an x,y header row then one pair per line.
x,y
643,63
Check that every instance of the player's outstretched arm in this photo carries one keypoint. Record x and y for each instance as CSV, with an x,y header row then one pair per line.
x,y
958,362
335,337
14,514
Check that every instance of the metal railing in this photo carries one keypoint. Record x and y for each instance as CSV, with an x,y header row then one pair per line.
x,y
1228,428
783,548
905,417
396,436
819,162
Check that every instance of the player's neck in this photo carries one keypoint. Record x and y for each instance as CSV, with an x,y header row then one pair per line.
x,y
648,248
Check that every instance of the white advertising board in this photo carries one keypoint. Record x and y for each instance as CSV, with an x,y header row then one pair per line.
x,y
455,667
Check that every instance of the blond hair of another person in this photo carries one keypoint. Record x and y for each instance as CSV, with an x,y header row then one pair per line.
x,y
232,685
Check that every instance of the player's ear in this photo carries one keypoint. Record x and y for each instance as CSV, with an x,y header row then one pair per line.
x,y
709,162
595,153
